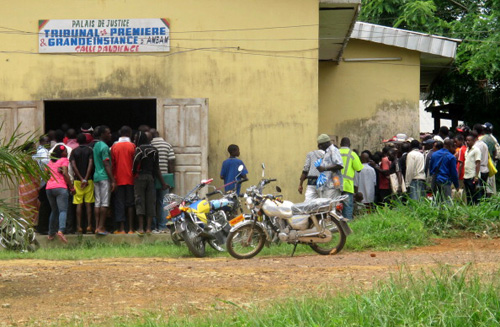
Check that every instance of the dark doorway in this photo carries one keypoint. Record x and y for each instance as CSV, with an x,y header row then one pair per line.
x,y
113,113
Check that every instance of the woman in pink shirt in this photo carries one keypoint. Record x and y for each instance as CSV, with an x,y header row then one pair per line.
x,y
57,192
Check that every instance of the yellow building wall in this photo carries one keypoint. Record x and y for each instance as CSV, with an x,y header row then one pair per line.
x,y
262,88
370,101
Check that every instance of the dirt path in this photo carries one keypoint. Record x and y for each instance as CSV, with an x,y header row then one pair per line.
x,y
50,290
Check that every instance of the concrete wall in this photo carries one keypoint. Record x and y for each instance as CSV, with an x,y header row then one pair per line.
x,y
370,101
263,95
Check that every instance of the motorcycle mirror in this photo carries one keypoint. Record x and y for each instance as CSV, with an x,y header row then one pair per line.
x,y
240,168
278,189
263,169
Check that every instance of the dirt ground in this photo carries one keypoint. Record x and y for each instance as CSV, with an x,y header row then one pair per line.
x,y
46,291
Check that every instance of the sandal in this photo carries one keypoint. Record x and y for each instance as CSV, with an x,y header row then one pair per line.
x,y
62,237
50,237
131,232
89,230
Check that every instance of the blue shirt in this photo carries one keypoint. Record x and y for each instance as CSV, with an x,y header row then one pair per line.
x,y
447,173
229,172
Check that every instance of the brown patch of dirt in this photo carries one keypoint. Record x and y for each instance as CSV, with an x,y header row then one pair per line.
x,y
46,291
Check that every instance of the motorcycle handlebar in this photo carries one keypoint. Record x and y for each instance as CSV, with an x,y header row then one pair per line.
x,y
212,193
242,181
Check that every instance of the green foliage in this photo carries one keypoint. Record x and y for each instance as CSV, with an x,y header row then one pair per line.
x,y
15,161
16,164
483,218
474,79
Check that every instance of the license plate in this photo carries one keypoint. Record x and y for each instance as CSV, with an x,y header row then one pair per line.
x,y
236,220
175,212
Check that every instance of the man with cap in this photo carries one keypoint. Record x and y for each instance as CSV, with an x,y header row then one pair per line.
x,y
330,166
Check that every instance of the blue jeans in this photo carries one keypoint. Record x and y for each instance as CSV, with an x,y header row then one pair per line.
x,y
442,193
348,205
58,200
160,221
417,189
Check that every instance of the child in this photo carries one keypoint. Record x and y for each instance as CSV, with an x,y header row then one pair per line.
x,y
230,169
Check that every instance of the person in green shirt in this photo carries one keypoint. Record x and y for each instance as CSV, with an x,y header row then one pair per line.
x,y
104,182
351,164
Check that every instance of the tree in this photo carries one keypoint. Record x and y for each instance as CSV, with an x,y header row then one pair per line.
x,y
16,164
474,79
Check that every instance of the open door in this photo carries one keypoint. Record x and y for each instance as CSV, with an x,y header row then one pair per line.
x,y
184,124
29,116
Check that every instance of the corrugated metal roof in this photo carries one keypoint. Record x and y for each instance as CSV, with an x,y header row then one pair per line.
x,y
425,43
336,21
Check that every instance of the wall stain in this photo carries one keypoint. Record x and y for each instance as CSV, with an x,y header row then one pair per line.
x,y
389,119
120,83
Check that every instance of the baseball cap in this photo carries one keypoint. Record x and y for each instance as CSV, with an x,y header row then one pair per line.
x,y
323,138
429,141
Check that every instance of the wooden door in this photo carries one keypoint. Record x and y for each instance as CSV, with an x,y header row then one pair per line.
x,y
184,124
27,117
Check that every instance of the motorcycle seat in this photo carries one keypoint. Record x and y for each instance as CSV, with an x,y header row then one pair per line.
x,y
313,206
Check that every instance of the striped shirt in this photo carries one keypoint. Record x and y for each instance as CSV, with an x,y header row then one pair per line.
x,y
165,153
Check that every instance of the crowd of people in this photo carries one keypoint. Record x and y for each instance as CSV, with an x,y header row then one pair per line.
x,y
446,166
128,171
99,182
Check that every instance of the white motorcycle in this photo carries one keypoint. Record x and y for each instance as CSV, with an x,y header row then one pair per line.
x,y
318,223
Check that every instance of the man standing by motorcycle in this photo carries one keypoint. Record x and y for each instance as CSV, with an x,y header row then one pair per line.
x,y
311,173
229,170
330,166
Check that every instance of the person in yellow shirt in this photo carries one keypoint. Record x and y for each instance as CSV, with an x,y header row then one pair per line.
x,y
352,164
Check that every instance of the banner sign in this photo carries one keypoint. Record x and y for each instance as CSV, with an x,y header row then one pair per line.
x,y
103,35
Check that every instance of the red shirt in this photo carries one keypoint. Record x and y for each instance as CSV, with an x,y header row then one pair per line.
x,y
383,181
461,157
122,156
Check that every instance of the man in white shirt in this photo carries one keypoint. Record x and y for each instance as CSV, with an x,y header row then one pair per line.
x,y
311,173
365,180
42,157
415,172
472,168
331,166
483,170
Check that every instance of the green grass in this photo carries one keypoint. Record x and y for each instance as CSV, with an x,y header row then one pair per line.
x,y
387,228
94,250
446,297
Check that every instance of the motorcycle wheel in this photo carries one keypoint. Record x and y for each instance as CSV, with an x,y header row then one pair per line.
x,y
215,245
337,242
176,238
246,241
35,245
194,242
